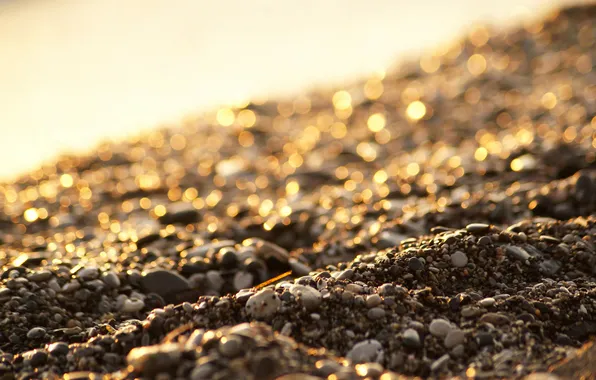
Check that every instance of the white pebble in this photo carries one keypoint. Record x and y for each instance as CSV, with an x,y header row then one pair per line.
x,y
439,327
263,304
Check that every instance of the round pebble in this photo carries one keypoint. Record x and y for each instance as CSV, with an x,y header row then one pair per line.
x,y
307,296
411,338
440,327
459,259
36,333
263,304
454,337
366,351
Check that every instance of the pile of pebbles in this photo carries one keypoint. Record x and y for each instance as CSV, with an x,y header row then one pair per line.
x,y
435,221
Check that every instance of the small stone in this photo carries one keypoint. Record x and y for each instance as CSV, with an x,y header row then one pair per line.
x,y
517,252
354,288
243,280
88,274
230,346
439,363
387,290
71,287
154,359
42,275
484,339
346,274
370,370
214,280
36,333
298,268
484,241
415,264
366,351
495,318
132,305
263,304
459,259
111,279
411,338
454,337
376,313
58,348
373,300
165,283
440,327
477,227
307,296
487,302
180,213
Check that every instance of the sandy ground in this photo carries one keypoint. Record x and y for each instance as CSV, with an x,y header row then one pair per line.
x,y
73,72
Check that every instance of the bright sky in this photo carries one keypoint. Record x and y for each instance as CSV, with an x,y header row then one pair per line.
x,y
74,72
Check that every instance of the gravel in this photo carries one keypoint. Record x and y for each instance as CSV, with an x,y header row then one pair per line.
x,y
438,221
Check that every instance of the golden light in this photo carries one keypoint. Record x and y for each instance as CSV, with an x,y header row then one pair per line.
x,y
339,130
366,151
413,169
549,100
373,89
225,117
476,64
292,188
517,165
416,110
481,154
247,118
430,63
178,142
31,215
160,210
342,100
380,176
66,180
376,122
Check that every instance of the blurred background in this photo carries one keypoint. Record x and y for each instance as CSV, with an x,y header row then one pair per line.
x,y
73,72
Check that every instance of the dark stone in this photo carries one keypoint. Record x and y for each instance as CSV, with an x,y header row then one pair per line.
x,y
167,284
180,213
415,264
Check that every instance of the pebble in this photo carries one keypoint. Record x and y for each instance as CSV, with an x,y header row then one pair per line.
x,y
373,300
36,333
58,348
415,264
454,337
214,280
495,318
39,276
439,363
487,302
88,274
517,252
111,279
376,313
154,359
366,351
459,259
477,227
230,346
440,327
307,296
243,280
346,274
164,283
263,304
411,338
132,305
